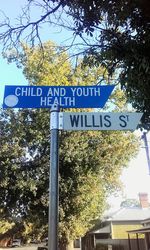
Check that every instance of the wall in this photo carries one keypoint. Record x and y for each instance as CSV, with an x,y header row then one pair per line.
x,y
120,244
120,231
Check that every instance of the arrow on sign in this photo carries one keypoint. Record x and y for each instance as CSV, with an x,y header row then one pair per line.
x,y
99,121
65,96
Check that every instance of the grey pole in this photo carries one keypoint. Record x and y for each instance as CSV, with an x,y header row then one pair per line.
x,y
53,179
147,150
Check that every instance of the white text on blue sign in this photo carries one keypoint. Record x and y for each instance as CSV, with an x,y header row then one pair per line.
x,y
65,96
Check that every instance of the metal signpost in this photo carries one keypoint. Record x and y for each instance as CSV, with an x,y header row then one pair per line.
x,y
53,179
144,137
56,97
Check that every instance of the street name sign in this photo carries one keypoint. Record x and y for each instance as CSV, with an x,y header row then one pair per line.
x,y
64,96
99,121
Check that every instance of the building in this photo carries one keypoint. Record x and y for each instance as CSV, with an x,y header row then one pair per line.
x,y
117,229
145,230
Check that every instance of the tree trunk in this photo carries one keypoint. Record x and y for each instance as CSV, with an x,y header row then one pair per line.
x,y
65,246
70,246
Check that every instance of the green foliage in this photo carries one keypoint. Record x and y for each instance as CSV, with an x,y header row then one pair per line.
x,y
5,226
122,42
51,66
130,203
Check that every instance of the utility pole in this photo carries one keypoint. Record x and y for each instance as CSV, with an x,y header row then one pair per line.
x,y
144,137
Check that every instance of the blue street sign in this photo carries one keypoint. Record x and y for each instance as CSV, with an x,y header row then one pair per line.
x,y
65,96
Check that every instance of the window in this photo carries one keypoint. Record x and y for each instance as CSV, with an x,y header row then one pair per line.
x,y
77,243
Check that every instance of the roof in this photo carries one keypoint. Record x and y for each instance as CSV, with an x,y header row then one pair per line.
x,y
146,221
129,214
141,230
103,230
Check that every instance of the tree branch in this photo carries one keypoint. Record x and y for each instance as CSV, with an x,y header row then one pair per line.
x,y
11,36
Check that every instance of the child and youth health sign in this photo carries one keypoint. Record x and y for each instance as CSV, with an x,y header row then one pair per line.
x,y
65,96
72,97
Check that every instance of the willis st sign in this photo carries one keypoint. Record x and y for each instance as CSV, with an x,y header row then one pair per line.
x,y
99,121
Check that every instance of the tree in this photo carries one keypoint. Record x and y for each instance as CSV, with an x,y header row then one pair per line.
x,y
130,203
120,38
90,162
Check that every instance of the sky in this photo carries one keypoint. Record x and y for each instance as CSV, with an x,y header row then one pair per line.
x,y
136,177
